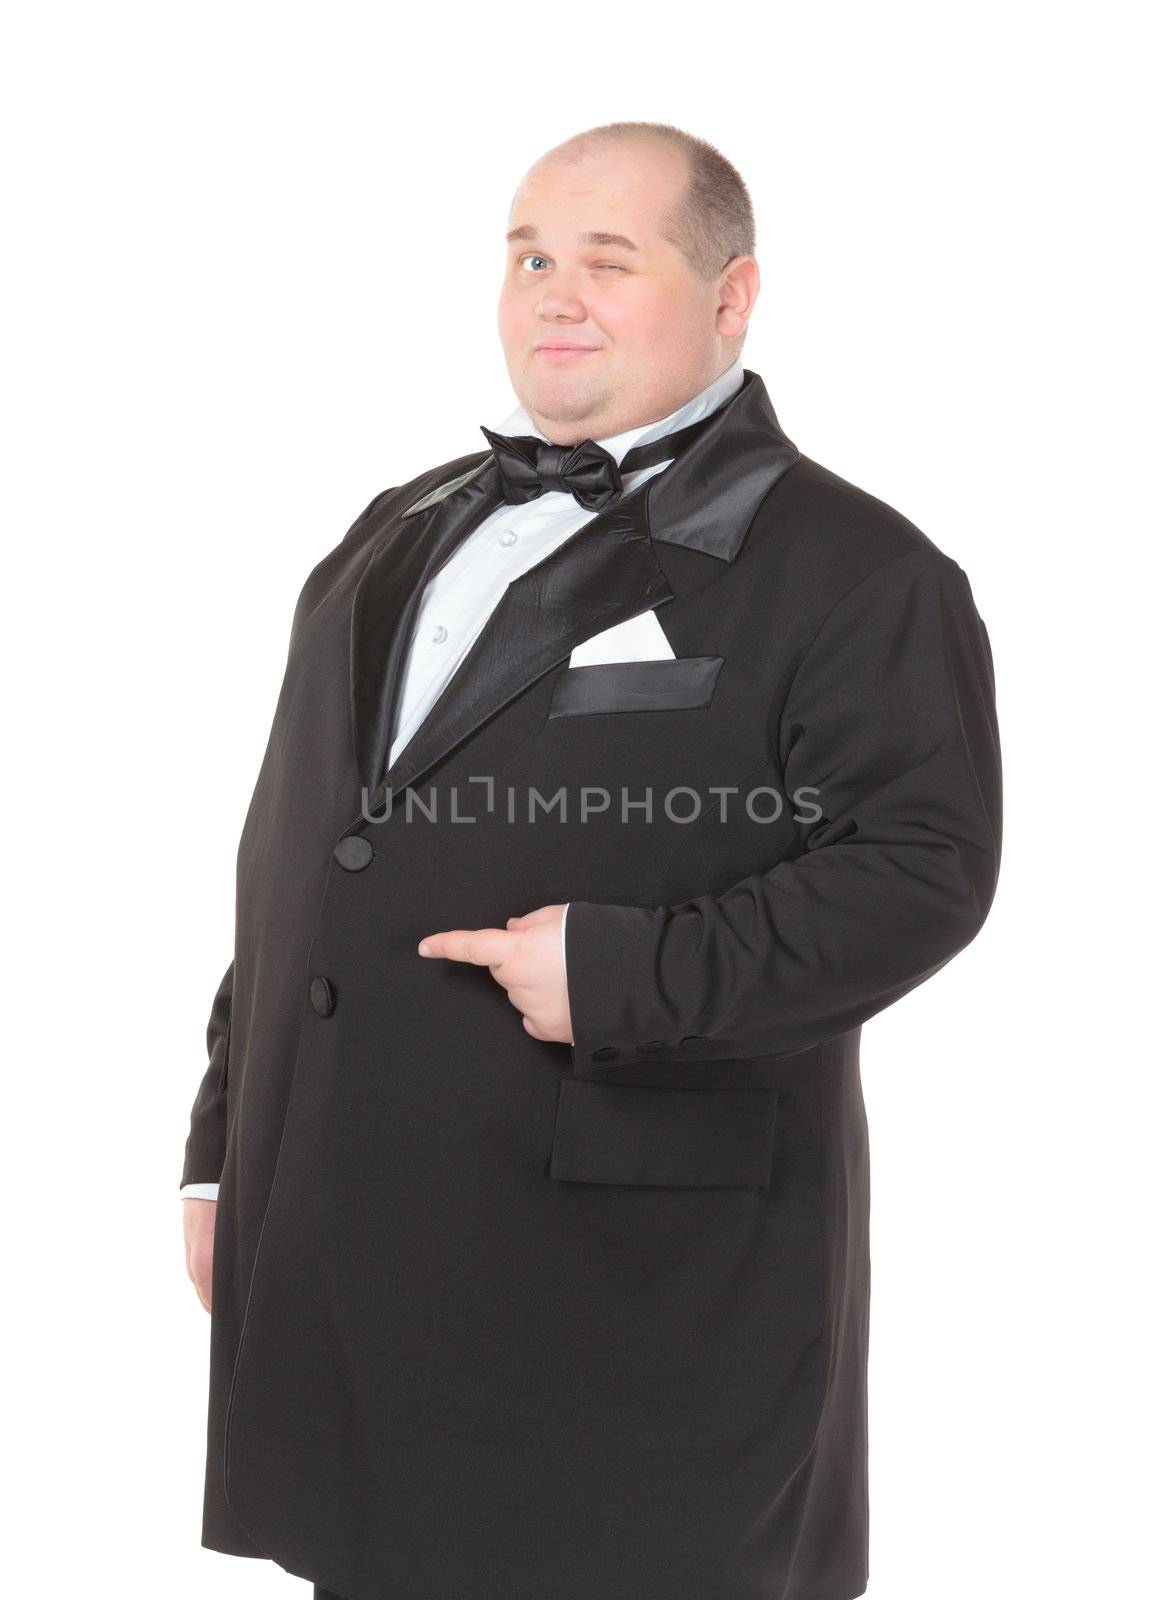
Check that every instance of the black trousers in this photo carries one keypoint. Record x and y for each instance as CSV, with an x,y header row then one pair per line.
x,y
325,1594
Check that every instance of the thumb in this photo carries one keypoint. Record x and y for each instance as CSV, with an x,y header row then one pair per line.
x,y
540,914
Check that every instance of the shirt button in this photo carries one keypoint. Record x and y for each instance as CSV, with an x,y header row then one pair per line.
x,y
439,635
507,536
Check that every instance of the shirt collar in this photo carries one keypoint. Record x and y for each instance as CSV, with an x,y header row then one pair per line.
x,y
618,445
705,499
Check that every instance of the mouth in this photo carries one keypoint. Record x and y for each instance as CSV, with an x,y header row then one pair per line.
x,y
566,352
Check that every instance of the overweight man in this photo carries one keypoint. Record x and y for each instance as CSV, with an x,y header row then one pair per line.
x,y
623,767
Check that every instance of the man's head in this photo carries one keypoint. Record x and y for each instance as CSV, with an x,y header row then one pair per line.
x,y
632,243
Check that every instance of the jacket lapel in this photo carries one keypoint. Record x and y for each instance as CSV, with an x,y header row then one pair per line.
x,y
604,573
388,597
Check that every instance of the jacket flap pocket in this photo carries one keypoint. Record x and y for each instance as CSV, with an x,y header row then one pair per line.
x,y
622,1133
679,684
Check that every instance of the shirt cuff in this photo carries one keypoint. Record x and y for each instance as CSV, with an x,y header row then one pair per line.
x,y
563,927
199,1191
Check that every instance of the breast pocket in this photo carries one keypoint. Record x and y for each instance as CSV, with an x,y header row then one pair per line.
x,y
680,684
637,1134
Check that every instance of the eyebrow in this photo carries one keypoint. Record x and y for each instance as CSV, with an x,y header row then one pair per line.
x,y
529,233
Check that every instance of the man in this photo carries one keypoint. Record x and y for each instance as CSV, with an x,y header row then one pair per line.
x,y
619,773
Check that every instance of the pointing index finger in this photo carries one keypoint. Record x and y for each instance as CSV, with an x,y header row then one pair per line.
x,y
483,947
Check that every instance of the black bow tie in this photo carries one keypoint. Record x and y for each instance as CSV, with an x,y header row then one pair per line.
x,y
529,467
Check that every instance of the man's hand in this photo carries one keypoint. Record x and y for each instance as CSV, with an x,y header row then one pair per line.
x,y
199,1221
526,958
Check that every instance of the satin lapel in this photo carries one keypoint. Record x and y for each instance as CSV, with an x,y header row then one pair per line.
x,y
388,598
606,572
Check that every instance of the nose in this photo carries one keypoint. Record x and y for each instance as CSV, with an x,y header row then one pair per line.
x,y
557,305
559,314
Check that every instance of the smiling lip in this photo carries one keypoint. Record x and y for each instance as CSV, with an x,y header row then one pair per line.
x,y
565,352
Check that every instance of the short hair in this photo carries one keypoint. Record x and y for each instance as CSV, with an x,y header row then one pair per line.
x,y
712,220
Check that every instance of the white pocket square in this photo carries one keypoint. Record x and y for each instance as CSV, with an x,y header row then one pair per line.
x,y
637,639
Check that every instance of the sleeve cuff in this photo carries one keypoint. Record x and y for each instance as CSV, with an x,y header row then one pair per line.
x,y
618,1017
199,1191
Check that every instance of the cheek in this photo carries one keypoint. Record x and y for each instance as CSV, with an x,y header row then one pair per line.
x,y
634,312
513,314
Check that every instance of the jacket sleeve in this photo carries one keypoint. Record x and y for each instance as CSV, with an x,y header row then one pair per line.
x,y
204,1151
889,728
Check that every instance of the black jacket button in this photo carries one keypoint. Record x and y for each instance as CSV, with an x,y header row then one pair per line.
x,y
605,1052
354,852
693,1041
322,996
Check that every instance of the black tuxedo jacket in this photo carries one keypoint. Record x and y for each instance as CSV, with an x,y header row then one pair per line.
x,y
501,1319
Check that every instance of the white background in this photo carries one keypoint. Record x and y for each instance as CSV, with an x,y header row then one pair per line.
x,y
253,260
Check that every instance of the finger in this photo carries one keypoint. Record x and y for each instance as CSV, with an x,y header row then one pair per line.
x,y
540,914
482,947
516,924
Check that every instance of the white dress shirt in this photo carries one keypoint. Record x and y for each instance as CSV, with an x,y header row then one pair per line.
x,y
458,601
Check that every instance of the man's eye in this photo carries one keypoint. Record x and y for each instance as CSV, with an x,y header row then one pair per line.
x,y
607,266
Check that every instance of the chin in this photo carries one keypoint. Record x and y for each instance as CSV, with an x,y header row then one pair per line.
x,y
564,396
